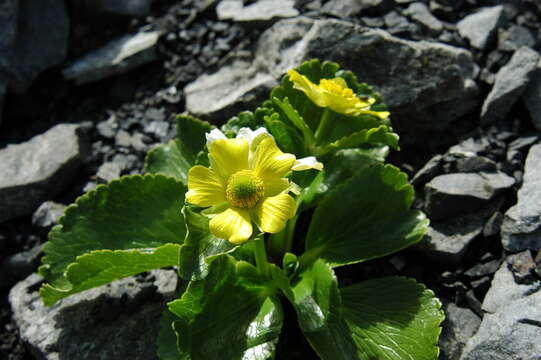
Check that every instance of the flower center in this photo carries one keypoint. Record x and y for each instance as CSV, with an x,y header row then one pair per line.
x,y
335,88
244,189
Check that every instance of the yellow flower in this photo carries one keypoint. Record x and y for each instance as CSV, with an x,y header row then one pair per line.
x,y
336,95
247,182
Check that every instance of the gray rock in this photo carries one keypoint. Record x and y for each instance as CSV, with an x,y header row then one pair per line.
x,y
522,143
521,228
115,321
42,40
116,57
428,171
504,290
511,80
493,224
121,7
483,269
459,326
414,77
37,170
480,28
348,8
108,171
419,12
160,129
532,97
455,194
511,333
446,242
514,38
18,266
123,138
471,164
48,214
8,30
469,147
522,266
262,11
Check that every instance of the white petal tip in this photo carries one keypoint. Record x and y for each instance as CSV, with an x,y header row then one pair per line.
x,y
307,163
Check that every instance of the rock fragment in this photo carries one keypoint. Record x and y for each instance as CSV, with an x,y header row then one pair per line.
x,y
521,228
511,81
480,28
459,326
419,12
48,214
262,11
37,170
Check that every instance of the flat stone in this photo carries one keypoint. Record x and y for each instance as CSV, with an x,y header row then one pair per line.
x,y
483,269
459,326
473,164
446,242
115,321
532,97
511,333
480,27
419,12
415,77
511,80
108,171
42,40
514,38
349,8
430,170
8,31
504,290
37,170
18,266
262,11
521,227
455,194
116,57
48,214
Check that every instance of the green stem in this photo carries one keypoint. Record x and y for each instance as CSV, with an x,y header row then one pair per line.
x,y
324,126
289,232
260,254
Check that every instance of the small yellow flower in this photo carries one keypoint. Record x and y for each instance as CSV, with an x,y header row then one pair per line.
x,y
246,181
336,95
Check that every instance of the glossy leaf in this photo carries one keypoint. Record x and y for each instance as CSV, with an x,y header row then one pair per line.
x,y
167,338
100,267
134,212
176,157
198,246
367,217
232,314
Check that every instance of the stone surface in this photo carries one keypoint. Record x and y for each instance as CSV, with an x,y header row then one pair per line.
x,y
522,266
420,13
428,171
349,8
446,242
121,7
511,333
8,30
115,321
407,73
511,81
18,266
504,290
108,171
514,38
455,194
480,27
116,57
493,224
48,214
262,11
532,97
42,40
37,170
473,164
459,326
521,228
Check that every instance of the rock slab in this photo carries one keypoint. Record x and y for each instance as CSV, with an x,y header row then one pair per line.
x,y
480,28
262,11
37,170
115,321
521,227
511,80
459,326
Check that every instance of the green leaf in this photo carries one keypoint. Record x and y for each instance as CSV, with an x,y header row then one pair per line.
x,y
232,314
367,217
133,212
199,245
252,120
100,267
376,135
177,156
167,338
389,318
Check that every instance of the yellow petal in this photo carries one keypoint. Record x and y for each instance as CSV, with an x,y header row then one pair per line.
x,y
227,156
270,162
307,163
204,187
276,186
313,91
233,224
271,214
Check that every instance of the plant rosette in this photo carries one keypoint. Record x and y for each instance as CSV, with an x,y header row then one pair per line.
x,y
251,219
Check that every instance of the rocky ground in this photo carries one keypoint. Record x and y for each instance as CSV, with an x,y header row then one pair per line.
x,y
87,87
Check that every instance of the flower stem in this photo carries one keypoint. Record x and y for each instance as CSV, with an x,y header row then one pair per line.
x,y
324,126
260,254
